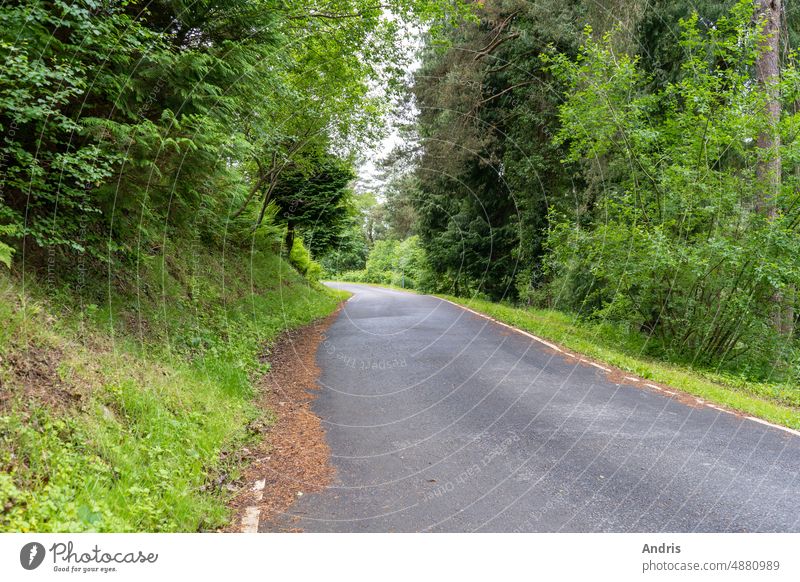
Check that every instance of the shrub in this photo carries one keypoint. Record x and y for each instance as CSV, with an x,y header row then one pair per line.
x,y
301,259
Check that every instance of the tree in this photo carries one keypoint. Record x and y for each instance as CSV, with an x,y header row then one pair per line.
x,y
350,251
128,122
767,67
676,250
315,201
487,170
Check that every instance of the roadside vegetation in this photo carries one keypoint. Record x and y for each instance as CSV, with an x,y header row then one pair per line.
x,y
135,415
177,176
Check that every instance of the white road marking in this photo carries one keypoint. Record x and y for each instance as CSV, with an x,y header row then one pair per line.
x,y
596,365
783,428
252,514
525,333
250,520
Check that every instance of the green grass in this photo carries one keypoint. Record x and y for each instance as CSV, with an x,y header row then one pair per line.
x,y
164,369
778,403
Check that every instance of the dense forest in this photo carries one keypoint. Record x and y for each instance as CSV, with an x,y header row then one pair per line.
x,y
630,163
128,123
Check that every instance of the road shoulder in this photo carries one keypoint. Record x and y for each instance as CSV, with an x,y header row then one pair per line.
x,y
686,385
293,458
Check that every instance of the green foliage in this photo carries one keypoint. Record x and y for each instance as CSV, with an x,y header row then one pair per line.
x,y
350,252
613,172
6,251
400,263
382,260
141,468
316,202
123,120
300,257
488,170
675,246
163,414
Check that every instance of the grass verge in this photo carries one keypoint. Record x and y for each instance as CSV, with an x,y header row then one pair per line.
x,y
777,403
130,408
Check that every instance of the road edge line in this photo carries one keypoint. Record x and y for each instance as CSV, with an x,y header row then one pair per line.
x,y
702,403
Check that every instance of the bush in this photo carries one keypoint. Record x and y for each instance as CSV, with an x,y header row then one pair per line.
x,y
675,247
301,260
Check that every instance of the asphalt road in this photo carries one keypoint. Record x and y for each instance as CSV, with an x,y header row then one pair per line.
x,y
440,420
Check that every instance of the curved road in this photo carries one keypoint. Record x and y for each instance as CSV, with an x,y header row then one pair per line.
x,y
440,420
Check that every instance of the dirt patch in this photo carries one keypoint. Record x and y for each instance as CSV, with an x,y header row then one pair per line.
x,y
293,458
33,374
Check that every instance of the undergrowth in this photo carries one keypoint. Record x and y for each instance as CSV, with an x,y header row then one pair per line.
x,y
129,410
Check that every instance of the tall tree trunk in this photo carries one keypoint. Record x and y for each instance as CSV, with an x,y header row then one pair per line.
x,y
768,77
768,172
